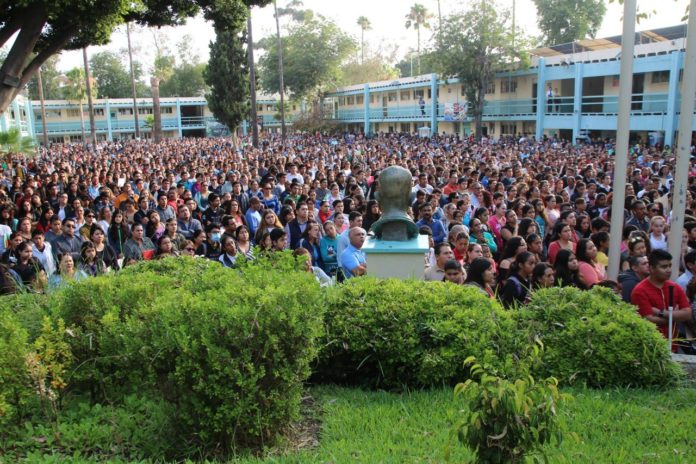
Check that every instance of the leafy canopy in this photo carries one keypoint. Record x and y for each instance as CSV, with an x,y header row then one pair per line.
x,y
563,21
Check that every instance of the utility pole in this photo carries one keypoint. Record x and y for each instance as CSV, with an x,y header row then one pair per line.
x,y
252,84
43,109
90,103
686,116
281,80
132,73
622,135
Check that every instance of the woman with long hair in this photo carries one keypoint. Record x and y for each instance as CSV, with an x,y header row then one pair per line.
x,y
243,242
155,228
518,284
562,239
513,248
566,268
372,214
90,264
44,223
28,267
165,248
310,241
24,227
478,235
589,270
119,232
66,272
269,221
232,208
480,275
105,252
543,276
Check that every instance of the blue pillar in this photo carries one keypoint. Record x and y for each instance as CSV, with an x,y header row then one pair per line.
x,y
672,96
577,101
18,119
178,117
541,98
366,109
3,121
29,110
245,127
107,111
433,104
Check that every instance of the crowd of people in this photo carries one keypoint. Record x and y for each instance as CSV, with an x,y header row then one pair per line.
x,y
507,216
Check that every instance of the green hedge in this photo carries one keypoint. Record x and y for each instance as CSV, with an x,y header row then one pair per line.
x,y
228,350
596,339
391,333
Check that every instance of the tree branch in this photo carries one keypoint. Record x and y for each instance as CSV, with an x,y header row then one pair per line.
x,y
58,43
9,29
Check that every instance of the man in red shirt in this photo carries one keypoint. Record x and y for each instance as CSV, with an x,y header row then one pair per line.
x,y
652,295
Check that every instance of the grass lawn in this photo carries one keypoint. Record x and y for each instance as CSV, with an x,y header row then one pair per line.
x,y
356,426
617,426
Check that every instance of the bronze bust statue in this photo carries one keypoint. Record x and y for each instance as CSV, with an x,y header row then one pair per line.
x,y
393,197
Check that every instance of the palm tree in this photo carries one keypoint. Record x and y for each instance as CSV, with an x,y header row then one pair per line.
x,y
418,17
281,80
75,91
132,75
90,103
12,142
365,25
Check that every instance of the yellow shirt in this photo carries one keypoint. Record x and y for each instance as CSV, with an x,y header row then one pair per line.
x,y
602,259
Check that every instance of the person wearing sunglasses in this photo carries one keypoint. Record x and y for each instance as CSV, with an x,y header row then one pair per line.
x,y
69,242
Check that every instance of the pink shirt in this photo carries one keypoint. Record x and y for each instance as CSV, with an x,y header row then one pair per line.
x,y
590,274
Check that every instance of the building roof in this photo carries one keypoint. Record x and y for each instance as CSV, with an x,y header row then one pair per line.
x,y
664,34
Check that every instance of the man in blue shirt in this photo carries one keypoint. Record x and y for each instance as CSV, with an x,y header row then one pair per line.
x,y
253,215
426,215
353,259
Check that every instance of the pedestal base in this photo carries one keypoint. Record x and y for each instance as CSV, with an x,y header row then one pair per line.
x,y
402,260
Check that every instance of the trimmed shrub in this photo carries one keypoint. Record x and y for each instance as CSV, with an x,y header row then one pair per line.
x,y
391,333
16,393
596,339
229,349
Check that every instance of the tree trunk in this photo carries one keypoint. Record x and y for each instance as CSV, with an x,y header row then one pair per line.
x,y
418,33
90,103
43,109
157,129
252,85
82,123
281,79
480,100
132,75
362,46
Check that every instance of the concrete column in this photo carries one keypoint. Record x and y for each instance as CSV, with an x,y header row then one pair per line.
x,y
245,127
540,98
3,121
18,119
675,64
178,117
433,104
366,109
30,118
107,113
577,100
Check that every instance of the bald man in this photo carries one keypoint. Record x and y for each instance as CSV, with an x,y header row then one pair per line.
x,y
353,258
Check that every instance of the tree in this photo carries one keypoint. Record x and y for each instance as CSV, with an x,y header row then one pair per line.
x,y
429,63
474,45
418,17
44,28
75,91
314,50
227,75
365,25
161,71
51,81
12,142
186,80
563,21
377,67
111,75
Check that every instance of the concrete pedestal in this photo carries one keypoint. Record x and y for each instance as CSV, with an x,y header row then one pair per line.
x,y
402,260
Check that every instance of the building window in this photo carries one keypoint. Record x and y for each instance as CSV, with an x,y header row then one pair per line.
x,y
73,113
144,110
360,99
508,129
125,111
260,108
659,77
53,114
405,95
167,110
490,88
406,127
508,85
75,138
350,100
391,96
372,98
418,94
615,81
341,101
99,111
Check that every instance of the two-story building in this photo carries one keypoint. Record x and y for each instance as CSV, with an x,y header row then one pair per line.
x,y
570,90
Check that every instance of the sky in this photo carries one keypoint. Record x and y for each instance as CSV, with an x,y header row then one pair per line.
x,y
387,18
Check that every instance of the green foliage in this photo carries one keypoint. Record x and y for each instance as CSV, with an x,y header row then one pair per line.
x,y
12,142
227,75
112,75
509,417
596,339
50,79
563,21
377,67
313,51
418,17
185,80
473,46
392,332
15,388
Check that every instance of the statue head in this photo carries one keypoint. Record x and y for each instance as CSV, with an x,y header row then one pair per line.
x,y
394,195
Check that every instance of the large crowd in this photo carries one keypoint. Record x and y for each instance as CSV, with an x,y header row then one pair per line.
x,y
507,216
